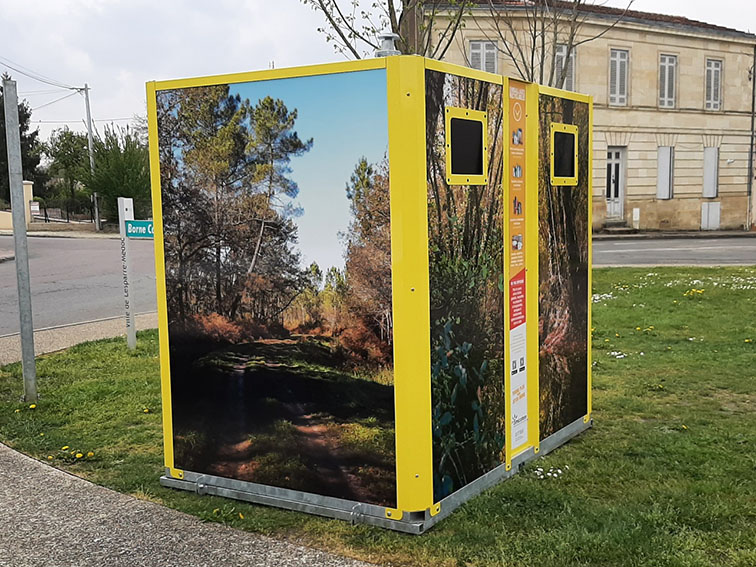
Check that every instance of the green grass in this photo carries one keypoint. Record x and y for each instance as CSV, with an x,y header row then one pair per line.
x,y
667,476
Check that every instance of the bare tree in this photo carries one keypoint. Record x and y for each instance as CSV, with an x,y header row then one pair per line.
x,y
353,26
540,36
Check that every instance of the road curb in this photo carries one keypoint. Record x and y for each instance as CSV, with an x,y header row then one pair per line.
x,y
66,234
675,235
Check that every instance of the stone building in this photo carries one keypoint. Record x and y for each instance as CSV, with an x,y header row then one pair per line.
x,y
672,116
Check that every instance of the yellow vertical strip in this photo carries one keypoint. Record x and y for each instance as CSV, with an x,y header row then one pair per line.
x,y
590,259
157,215
410,284
506,196
532,151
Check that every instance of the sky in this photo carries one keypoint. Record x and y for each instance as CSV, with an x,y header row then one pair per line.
x,y
346,116
117,45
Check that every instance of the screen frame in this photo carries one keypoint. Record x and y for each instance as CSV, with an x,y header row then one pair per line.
x,y
451,112
563,129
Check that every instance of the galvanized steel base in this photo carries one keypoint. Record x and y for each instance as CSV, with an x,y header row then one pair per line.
x,y
359,512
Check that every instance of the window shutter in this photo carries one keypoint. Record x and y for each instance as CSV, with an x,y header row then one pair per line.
x,y
622,81
569,81
711,172
490,59
476,55
613,78
716,86
671,81
709,82
558,62
662,83
664,174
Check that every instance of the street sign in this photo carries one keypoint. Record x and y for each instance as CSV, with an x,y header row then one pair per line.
x,y
139,229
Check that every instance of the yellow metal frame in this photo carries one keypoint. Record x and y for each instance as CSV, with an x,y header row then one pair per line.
x,y
531,270
162,305
451,112
152,88
564,129
405,77
587,99
532,93
410,285
587,417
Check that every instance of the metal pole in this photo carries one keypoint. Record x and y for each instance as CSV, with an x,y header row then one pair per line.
x,y
126,212
90,142
18,207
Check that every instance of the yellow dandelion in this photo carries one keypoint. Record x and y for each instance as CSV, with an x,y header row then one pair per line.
x,y
216,511
651,327
616,335
748,341
41,434
684,426
241,516
65,448
637,328
49,457
606,340
33,406
146,410
90,454
18,411
79,455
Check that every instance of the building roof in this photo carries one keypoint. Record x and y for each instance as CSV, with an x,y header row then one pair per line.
x,y
635,16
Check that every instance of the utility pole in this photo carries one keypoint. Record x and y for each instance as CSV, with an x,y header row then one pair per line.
x,y
18,207
90,141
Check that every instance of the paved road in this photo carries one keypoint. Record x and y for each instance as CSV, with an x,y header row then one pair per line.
x,y
75,279
78,279
675,252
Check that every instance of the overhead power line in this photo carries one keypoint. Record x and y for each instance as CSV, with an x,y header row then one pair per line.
x,y
77,120
5,62
56,100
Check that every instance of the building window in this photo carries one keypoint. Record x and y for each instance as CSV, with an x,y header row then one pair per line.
x,y
618,64
483,56
667,71
713,84
559,63
711,173
665,172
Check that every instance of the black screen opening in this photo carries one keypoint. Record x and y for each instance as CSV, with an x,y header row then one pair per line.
x,y
564,154
466,147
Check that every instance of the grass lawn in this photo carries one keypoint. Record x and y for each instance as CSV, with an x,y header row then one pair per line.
x,y
667,476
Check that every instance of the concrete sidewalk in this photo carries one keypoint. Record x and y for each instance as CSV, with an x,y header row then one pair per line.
x,y
53,519
58,338
63,234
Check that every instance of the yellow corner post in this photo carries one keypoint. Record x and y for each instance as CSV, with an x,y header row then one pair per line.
x,y
157,215
531,231
587,418
411,285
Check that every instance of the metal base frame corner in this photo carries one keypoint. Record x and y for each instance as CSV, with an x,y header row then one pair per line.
x,y
415,522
